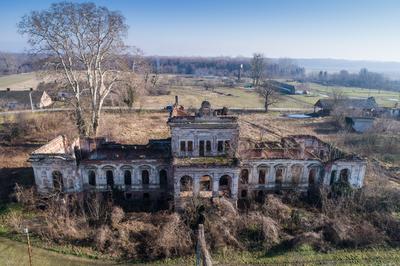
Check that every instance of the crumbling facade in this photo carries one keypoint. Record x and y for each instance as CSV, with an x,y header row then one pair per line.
x,y
203,158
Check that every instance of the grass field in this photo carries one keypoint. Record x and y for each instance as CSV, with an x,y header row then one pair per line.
x,y
384,98
301,257
15,253
192,96
19,81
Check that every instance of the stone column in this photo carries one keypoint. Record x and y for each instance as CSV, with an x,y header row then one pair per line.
x,y
254,175
271,175
119,176
215,186
177,188
196,185
304,176
234,186
318,173
177,193
288,176
135,176
361,175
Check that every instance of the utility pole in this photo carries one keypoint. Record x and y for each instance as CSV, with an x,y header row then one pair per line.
x,y
29,246
202,254
30,97
240,72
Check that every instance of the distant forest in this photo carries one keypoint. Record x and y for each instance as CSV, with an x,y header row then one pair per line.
x,y
225,66
14,63
363,79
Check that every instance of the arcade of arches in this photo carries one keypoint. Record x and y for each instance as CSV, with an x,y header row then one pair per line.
x,y
205,186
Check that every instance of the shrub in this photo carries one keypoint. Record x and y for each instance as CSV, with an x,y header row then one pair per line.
x,y
117,214
273,207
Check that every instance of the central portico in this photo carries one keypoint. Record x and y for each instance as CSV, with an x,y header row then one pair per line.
x,y
204,148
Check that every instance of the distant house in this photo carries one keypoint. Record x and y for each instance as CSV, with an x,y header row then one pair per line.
x,y
24,99
390,112
359,124
282,87
63,95
326,106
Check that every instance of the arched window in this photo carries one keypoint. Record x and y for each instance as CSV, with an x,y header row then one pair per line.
x,y
110,178
260,196
312,176
244,176
205,183
163,179
225,185
186,183
92,178
145,177
344,175
128,178
58,182
279,176
261,176
296,171
224,181
333,177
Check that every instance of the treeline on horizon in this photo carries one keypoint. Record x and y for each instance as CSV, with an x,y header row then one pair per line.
x,y
225,66
15,63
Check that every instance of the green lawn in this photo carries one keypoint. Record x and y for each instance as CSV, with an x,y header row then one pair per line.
x,y
384,98
301,257
15,253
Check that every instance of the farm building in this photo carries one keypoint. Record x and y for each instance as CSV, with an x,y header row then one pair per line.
x,y
359,124
390,112
326,106
204,157
281,87
24,99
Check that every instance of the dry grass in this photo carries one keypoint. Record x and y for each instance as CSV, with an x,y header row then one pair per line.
x,y
134,127
19,81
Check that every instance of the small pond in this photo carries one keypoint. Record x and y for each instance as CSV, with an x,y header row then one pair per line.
x,y
298,116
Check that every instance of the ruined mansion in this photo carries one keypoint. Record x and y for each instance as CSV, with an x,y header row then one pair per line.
x,y
204,157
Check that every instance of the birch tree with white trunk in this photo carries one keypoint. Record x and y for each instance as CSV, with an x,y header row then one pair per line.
x,y
85,43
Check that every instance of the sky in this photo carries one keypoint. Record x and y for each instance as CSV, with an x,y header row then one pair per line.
x,y
342,29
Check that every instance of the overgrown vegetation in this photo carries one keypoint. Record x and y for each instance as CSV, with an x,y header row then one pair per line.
x,y
288,222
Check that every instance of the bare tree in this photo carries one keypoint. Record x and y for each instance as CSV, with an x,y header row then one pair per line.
x,y
208,86
337,95
136,84
257,68
86,45
8,63
268,92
